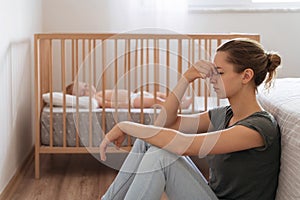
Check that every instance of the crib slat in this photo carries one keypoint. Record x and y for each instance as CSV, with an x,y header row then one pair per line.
x,y
125,63
168,67
94,62
209,86
147,65
83,64
72,59
192,61
103,77
116,72
179,66
155,71
135,66
127,74
38,105
218,44
90,62
128,53
205,86
199,57
209,50
63,74
142,119
51,92
189,61
77,89
179,63
75,81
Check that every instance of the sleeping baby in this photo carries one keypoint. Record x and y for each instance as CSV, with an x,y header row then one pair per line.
x,y
120,98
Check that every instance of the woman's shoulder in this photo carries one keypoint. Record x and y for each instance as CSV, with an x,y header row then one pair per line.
x,y
262,117
264,123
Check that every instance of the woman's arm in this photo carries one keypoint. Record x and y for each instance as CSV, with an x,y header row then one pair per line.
x,y
168,113
169,117
236,138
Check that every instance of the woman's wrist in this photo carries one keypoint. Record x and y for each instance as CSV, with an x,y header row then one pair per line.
x,y
184,81
181,86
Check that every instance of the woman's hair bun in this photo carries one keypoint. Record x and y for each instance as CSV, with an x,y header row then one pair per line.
x,y
274,61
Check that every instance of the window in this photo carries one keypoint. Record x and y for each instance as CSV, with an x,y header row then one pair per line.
x,y
274,1
245,5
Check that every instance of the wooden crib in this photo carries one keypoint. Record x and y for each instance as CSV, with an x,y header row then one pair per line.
x,y
136,62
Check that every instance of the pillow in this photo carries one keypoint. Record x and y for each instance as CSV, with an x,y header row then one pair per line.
x,y
84,101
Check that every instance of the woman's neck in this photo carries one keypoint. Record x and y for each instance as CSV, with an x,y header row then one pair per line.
x,y
244,105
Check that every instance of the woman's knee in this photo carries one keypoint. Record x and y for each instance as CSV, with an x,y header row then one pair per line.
x,y
140,146
160,156
138,142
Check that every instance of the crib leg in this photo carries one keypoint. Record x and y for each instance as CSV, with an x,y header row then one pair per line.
x,y
37,165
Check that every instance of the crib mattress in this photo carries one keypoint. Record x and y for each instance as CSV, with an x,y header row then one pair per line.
x,y
84,120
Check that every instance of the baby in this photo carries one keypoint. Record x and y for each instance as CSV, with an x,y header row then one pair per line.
x,y
120,98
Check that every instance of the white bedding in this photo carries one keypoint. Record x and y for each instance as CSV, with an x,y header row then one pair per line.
x,y
283,101
71,100
198,107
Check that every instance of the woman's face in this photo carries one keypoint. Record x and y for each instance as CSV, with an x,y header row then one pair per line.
x,y
84,89
226,82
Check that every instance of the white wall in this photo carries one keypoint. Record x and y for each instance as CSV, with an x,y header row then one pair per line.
x,y
19,20
279,31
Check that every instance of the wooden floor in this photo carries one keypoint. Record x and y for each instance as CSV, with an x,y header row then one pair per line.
x,y
73,177
66,177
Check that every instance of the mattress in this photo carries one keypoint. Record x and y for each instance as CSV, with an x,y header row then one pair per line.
x,y
283,101
83,116
111,118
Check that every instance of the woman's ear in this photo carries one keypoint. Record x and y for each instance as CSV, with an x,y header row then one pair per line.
x,y
247,75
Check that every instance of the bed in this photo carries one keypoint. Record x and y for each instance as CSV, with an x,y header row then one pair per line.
x,y
135,62
283,102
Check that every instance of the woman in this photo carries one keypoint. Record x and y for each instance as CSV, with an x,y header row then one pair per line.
x,y
111,99
242,140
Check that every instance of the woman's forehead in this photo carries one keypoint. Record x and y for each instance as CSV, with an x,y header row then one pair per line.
x,y
220,59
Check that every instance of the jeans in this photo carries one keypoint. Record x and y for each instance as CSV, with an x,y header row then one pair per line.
x,y
149,171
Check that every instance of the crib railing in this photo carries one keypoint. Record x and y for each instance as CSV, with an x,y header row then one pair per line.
x,y
136,62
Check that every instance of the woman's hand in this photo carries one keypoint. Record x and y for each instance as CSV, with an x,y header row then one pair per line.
x,y
201,69
115,135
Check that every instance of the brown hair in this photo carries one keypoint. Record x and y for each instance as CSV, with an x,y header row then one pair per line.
x,y
246,53
69,89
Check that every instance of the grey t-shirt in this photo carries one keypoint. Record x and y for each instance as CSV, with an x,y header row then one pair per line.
x,y
250,174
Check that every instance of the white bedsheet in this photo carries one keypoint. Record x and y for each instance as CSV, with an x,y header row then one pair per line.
x,y
283,101
199,106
